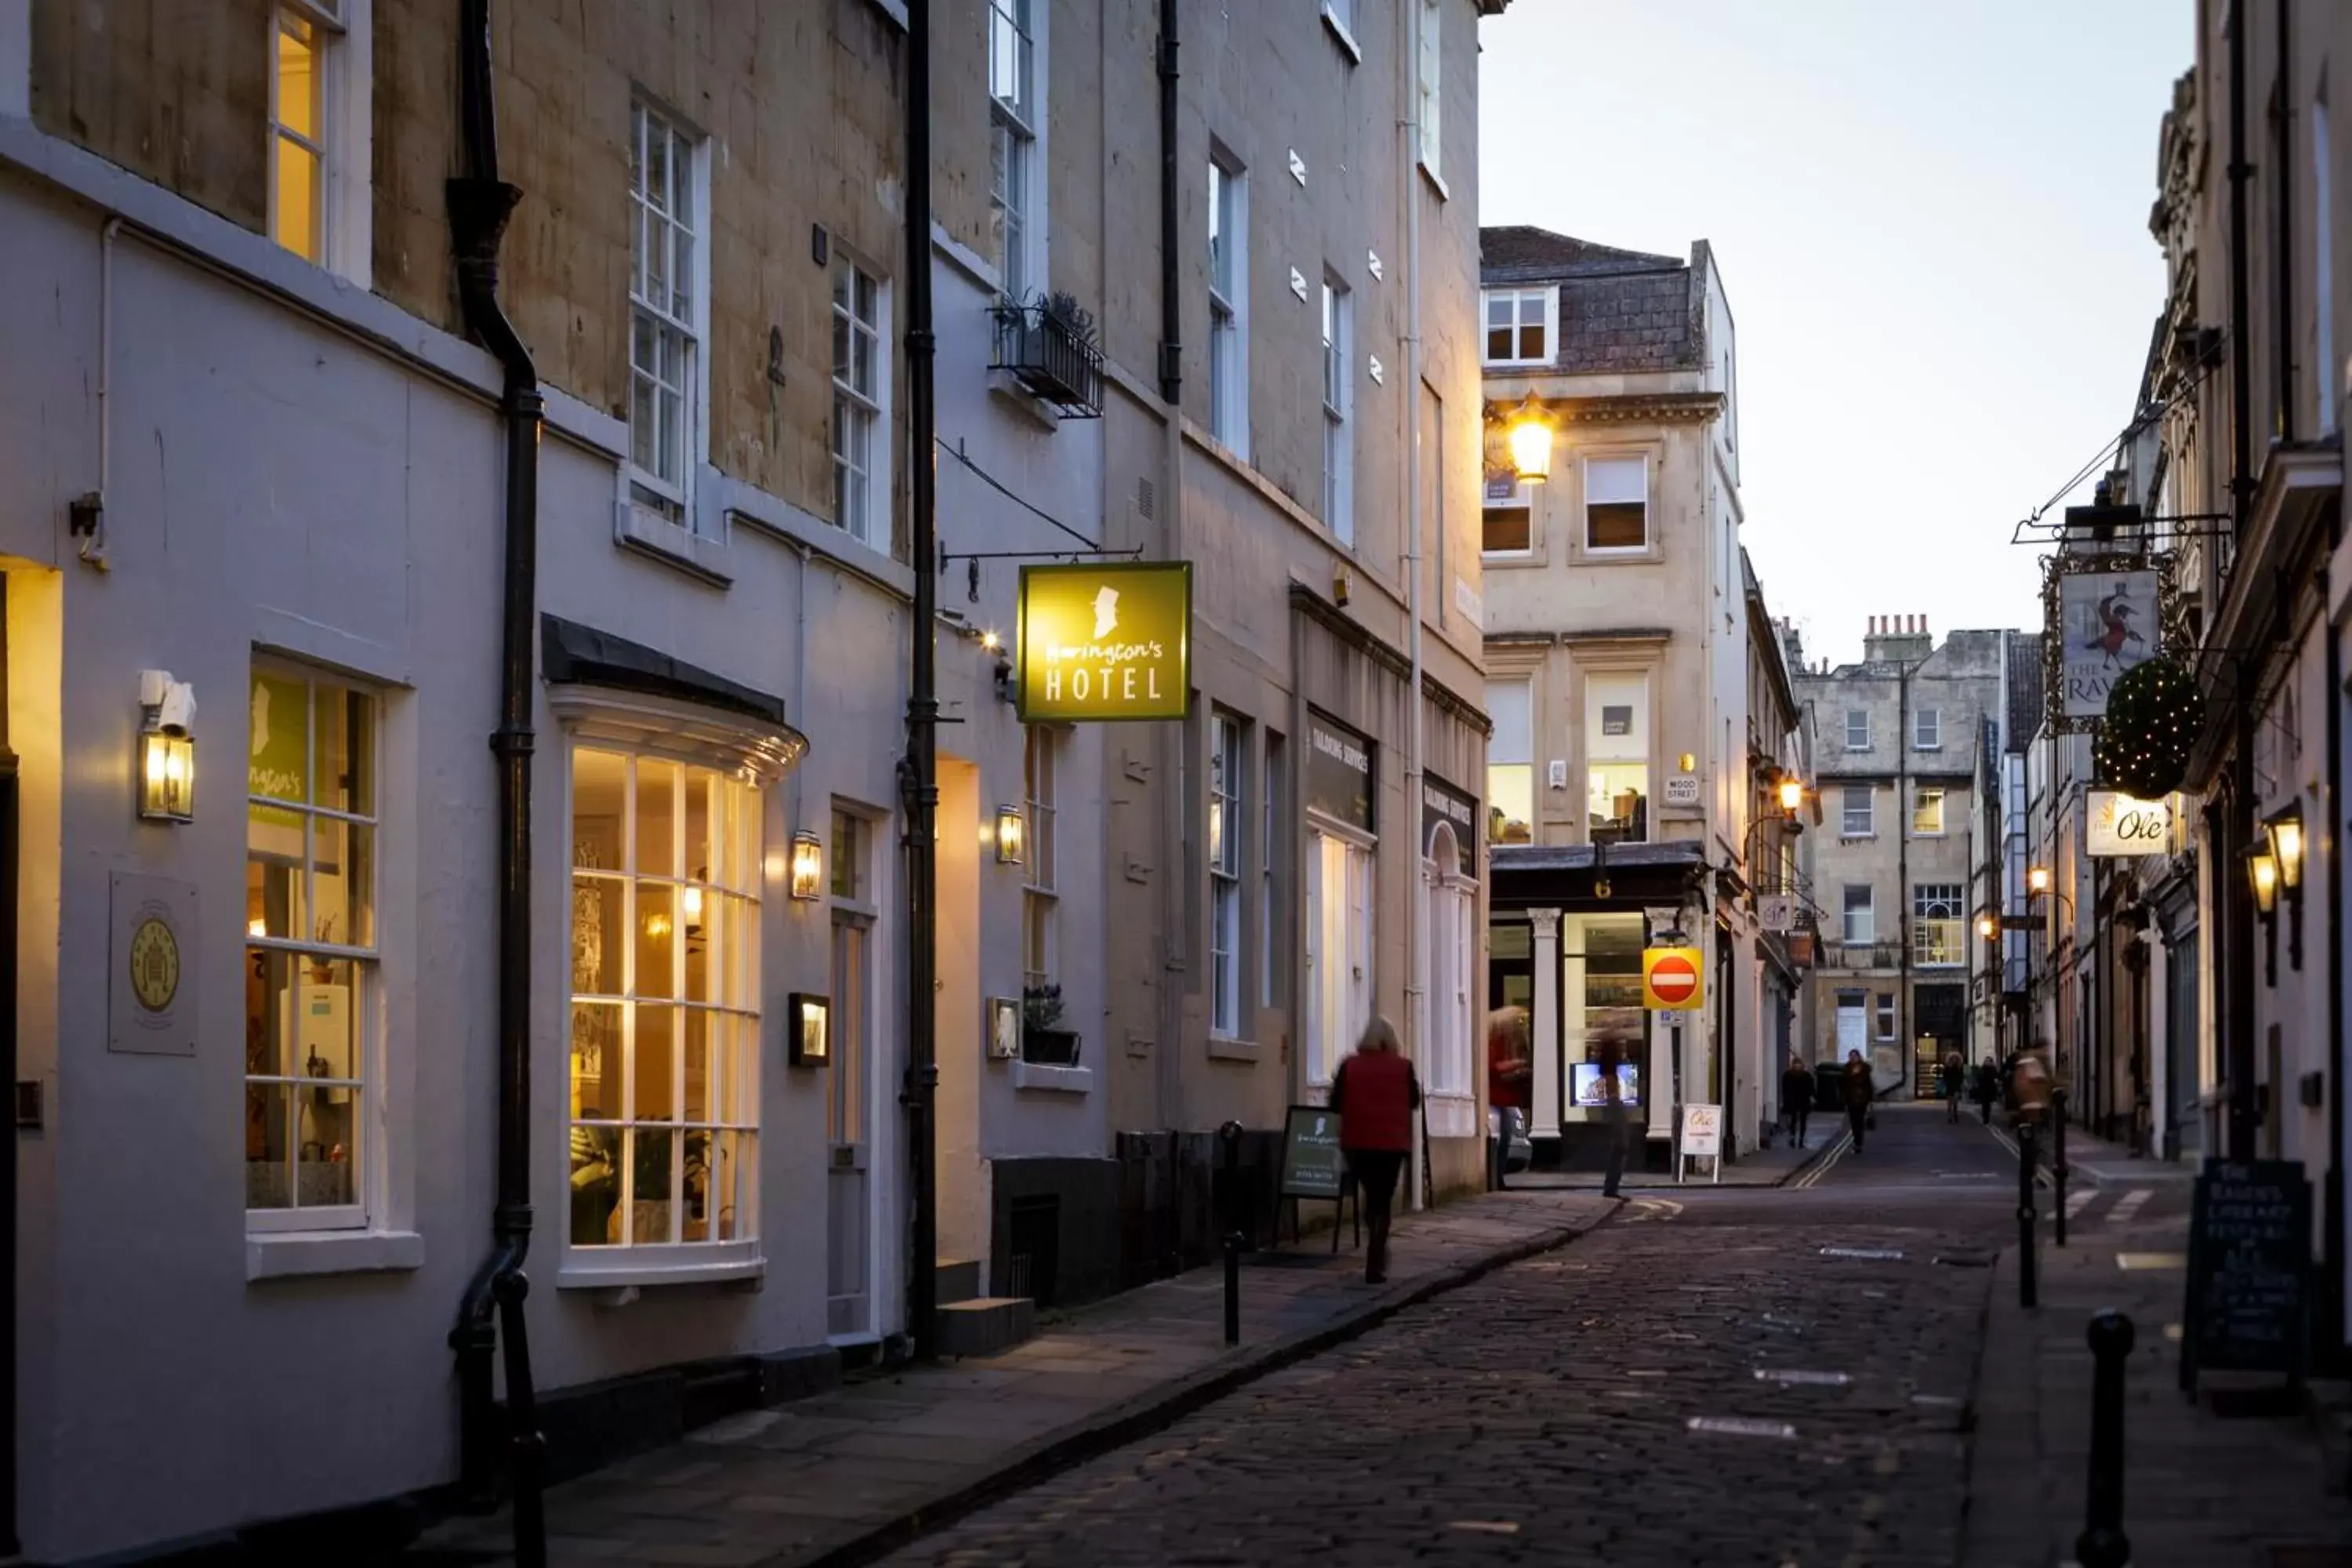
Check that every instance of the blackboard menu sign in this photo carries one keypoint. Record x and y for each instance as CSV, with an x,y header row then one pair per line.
x,y
1312,1165
2249,1266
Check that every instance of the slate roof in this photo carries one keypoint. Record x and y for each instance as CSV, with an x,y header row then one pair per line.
x,y
2025,695
1520,253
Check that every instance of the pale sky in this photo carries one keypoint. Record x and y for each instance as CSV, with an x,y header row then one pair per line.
x,y
1932,222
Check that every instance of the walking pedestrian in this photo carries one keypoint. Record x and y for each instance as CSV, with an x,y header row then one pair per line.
x,y
1376,1093
1796,1097
1858,1092
1954,1072
1612,1110
1988,1088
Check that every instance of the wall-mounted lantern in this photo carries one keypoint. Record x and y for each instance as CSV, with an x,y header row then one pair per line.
x,y
2285,833
1528,431
2262,873
1011,836
2037,881
167,747
808,865
1792,794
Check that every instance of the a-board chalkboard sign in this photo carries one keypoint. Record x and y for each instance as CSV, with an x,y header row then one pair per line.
x,y
2249,1270
1312,1165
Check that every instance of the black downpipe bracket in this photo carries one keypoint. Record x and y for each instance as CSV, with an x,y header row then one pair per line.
x,y
918,780
2238,928
479,205
1171,185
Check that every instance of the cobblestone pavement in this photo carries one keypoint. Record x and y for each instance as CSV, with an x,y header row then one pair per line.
x,y
1617,1403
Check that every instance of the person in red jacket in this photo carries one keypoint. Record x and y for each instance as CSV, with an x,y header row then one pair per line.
x,y
1376,1093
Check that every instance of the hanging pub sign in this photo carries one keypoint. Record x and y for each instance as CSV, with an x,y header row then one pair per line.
x,y
1441,801
2120,824
2106,626
1102,642
1339,772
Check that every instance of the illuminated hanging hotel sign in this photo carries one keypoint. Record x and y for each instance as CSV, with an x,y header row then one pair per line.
x,y
2120,824
1106,642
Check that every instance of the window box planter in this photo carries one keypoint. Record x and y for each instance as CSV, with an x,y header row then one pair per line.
x,y
1049,349
1050,1048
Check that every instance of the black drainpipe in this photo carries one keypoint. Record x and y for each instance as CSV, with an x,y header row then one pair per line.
x,y
2331,833
1171,185
2237,932
479,205
2282,180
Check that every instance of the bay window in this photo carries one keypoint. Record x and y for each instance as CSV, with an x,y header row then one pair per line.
x,y
664,1022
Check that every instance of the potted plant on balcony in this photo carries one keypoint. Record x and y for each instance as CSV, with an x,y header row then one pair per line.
x,y
1043,1041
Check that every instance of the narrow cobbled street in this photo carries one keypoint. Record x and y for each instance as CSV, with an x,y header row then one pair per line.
x,y
1760,1377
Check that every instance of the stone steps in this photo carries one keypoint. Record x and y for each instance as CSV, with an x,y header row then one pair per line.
x,y
985,1325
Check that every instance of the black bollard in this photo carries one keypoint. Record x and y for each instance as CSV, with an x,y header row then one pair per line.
x,y
1232,1287
2026,1261
1229,1138
2103,1544
2058,1160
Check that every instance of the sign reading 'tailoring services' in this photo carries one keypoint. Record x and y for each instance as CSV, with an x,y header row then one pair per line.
x,y
1103,643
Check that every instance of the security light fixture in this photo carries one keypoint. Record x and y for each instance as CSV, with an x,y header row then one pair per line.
x,y
808,865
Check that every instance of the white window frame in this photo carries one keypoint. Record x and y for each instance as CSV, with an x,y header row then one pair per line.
x,y
1926,730
738,893
1269,861
1430,78
1453,922
1862,715
1513,746
1864,932
1229,301
1922,796
1041,898
1520,499
1340,16
1016,127
1584,497
865,410
1938,941
657,226
368,1154
1228,816
1868,798
1328,1041
1546,303
1339,411
345,41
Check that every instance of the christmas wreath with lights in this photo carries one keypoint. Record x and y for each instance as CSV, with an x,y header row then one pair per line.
x,y
2154,712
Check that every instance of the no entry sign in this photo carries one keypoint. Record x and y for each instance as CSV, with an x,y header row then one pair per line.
x,y
1670,978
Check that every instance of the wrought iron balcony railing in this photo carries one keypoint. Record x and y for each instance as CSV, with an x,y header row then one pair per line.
x,y
1051,359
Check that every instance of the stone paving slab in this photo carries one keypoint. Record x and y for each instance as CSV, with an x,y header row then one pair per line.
x,y
840,1476
2199,1490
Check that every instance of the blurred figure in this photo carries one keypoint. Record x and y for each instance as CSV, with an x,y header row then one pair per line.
x,y
1858,1092
1612,1109
1796,1097
1987,1088
1376,1093
1952,1074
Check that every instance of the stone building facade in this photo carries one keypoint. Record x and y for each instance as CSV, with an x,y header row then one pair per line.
x,y
1621,648
1899,746
250,437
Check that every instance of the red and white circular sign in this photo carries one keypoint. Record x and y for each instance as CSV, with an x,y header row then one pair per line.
x,y
1674,978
